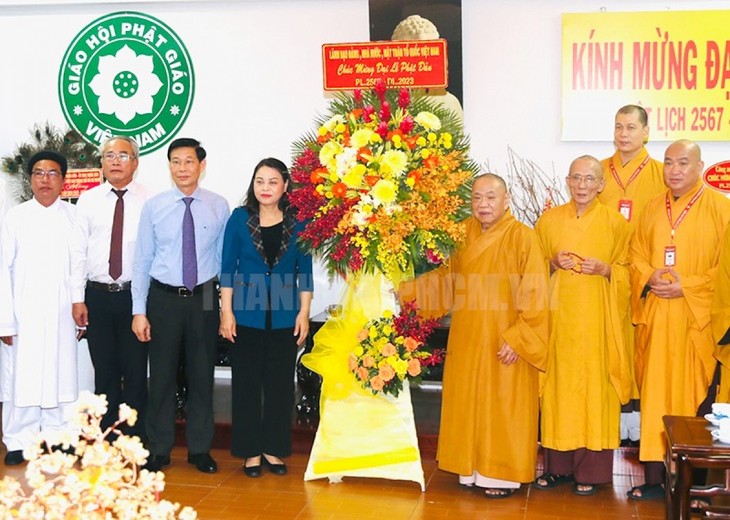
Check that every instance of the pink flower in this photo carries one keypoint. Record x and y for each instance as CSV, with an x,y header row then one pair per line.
x,y
368,362
388,350
404,98
376,383
432,257
407,124
363,335
382,129
357,94
414,367
352,362
386,373
410,344
380,89
367,113
362,374
384,113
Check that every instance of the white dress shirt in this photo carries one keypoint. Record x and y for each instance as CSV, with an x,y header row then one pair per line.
x,y
92,242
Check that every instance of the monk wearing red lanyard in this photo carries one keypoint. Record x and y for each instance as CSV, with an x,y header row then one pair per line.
x,y
674,260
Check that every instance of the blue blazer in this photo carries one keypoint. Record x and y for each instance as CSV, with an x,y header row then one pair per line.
x,y
244,268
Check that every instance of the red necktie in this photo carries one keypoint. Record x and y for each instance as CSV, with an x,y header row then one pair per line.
x,y
115,250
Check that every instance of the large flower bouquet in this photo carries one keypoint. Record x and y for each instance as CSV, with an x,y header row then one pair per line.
x,y
392,348
82,475
383,184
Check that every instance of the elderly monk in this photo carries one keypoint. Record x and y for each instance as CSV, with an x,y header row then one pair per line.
x,y
496,289
632,179
588,374
674,260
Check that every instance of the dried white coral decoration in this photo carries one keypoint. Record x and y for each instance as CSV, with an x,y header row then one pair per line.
x,y
80,474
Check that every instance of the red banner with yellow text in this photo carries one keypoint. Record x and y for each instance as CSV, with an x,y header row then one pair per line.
x,y
410,64
676,64
78,181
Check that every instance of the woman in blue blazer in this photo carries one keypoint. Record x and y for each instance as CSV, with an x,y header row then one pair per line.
x,y
266,293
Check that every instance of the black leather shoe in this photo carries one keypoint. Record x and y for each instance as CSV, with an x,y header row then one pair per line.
x,y
252,471
156,462
276,469
203,462
13,458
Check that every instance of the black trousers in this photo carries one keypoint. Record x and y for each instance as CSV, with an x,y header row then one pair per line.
x,y
119,359
190,325
262,387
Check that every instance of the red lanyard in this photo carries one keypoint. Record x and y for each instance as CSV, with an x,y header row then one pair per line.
x,y
684,211
633,175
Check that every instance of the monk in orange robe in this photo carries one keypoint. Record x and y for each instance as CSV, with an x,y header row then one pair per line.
x,y
495,287
674,260
720,316
632,179
588,374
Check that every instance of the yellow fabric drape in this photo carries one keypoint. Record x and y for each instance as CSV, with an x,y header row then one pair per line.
x,y
359,434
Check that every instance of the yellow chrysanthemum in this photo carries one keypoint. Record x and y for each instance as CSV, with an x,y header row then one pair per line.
x,y
329,152
361,137
384,191
428,121
393,163
353,178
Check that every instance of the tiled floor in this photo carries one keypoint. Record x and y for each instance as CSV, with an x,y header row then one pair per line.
x,y
229,494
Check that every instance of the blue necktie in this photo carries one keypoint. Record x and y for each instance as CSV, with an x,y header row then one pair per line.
x,y
189,259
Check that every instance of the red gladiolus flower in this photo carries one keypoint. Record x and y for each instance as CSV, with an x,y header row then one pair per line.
x,y
407,124
357,94
380,89
384,111
404,98
382,129
367,113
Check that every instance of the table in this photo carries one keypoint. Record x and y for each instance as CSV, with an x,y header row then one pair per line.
x,y
689,446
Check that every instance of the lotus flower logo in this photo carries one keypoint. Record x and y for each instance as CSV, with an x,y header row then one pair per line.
x,y
127,73
125,84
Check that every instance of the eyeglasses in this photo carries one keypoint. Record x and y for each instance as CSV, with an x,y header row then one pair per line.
x,y
51,174
122,156
589,180
177,163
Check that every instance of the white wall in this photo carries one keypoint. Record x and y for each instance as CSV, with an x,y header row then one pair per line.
x,y
259,85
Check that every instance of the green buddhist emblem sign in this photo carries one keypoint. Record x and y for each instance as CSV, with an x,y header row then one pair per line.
x,y
127,73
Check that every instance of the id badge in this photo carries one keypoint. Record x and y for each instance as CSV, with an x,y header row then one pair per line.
x,y
670,256
624,207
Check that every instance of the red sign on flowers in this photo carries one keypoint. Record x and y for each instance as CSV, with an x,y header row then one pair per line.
x,y
718,176
78,181
403,63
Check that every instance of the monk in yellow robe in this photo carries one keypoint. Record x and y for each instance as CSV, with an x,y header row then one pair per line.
x,y
632,179
495,287
721,317
588,374
674,259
